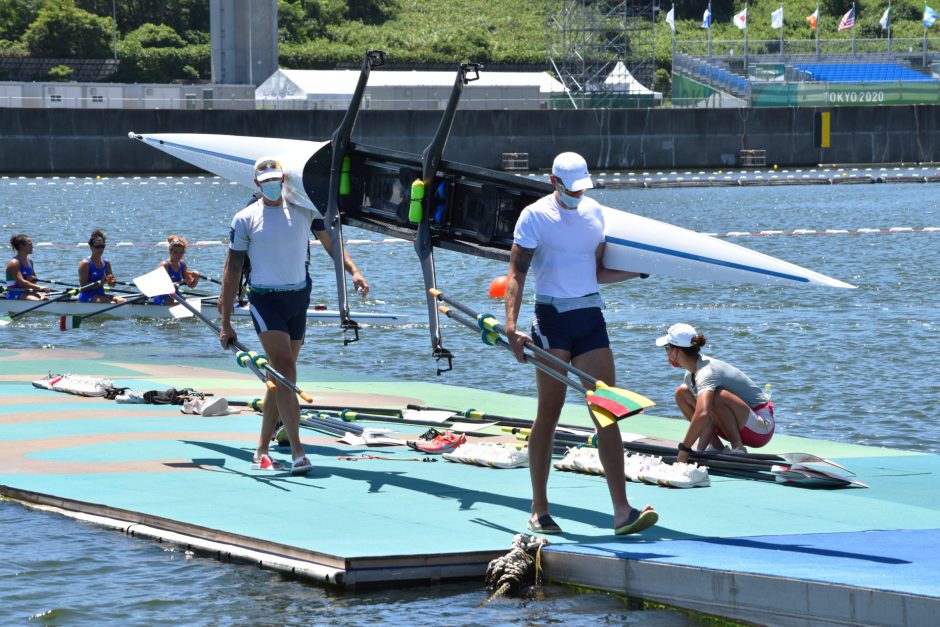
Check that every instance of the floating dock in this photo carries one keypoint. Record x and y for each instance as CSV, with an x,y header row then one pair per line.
x,y
748,550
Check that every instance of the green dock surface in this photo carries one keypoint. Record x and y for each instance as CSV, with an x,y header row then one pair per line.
x,y
744,549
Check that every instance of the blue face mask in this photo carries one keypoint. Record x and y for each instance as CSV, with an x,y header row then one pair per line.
x,y
271,190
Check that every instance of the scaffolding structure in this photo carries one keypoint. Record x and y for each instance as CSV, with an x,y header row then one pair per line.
x,y
587,39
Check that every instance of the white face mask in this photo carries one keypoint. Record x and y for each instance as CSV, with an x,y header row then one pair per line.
x,y
271,190
570,201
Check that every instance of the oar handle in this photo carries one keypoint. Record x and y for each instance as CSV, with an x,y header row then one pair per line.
x,y
238,345
499,341
487,322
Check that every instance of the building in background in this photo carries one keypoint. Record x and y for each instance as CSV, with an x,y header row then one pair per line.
x,y
244,40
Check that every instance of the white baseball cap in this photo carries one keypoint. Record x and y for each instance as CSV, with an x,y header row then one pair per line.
x,y
572,170
679,334
268,168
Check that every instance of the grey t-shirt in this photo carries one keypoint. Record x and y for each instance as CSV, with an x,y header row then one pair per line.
x,y
713,373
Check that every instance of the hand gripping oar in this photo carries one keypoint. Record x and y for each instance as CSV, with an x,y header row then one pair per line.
x,y
606,409
5,320
608,404
157,282
67,322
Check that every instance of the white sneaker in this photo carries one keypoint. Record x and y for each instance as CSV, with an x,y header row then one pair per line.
x,y
215,407
738,451
129,397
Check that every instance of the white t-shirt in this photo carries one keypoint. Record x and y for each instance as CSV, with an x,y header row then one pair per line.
x,y
565,241
277,240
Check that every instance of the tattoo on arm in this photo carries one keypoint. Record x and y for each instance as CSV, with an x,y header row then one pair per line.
x,y
522,258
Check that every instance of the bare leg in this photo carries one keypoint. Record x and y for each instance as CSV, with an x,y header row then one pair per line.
x,y
686,403
730,415
282,353
600,364
551,400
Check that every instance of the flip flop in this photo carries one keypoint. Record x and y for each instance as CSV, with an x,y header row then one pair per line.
x,y
638,521
266,463
545,524
301,466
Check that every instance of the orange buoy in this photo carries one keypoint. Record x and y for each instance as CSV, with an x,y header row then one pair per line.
x,y
498,287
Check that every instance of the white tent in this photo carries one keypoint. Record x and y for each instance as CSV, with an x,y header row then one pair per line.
x,y
393,89
621,81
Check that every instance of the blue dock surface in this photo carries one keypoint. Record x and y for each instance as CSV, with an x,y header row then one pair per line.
x,y
749,550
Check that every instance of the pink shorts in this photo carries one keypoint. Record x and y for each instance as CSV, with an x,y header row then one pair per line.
x,y
759,427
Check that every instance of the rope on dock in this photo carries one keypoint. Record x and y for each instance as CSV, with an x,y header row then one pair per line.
x,y
517,569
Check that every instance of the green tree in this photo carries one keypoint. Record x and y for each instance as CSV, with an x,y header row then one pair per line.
x,y
370,11
62,30
61,74
16,16
155,36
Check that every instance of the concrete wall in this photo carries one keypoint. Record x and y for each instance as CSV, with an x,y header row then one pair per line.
x,y
95,141
243,36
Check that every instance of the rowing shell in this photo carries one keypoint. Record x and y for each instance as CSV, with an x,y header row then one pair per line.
x,y
149,310
479,207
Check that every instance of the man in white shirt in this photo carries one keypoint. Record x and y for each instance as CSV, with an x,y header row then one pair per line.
x,y
561,236
274,234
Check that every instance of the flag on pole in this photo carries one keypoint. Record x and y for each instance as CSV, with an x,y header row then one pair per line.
x,y
848,20
812,19
707,18
671,19
776,18
740,19
885,20
930,16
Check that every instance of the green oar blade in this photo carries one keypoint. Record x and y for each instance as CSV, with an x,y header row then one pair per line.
x,y
5,320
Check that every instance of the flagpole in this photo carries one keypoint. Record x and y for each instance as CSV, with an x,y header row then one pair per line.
x,y
781,34
853,29
745,37
924,62
673,11
889,27
710,30
817,30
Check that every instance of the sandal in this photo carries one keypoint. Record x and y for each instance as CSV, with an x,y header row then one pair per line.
x,y
266,463
301,466
545,524
638,521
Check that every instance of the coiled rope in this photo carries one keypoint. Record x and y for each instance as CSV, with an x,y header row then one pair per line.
x,y
511,572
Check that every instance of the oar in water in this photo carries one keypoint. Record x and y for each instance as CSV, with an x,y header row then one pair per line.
x,y
157,282
608,404
67,322
5,320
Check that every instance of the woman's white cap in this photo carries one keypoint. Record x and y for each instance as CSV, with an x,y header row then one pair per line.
x,y
679,334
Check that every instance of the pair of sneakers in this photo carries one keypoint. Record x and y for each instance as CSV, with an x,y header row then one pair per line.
x,y
435,442
300,466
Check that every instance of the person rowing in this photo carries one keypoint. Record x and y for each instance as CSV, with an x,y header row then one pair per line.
x,y
21,274
95,268
176,268
719,401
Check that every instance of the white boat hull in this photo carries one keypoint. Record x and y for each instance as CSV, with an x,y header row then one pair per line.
x,y
74,308
634,242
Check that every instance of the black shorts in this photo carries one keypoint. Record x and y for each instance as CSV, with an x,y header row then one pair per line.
x,y
577,331
280,311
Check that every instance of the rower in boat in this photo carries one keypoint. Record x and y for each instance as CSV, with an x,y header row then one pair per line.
x,y
96,268
176,268
21,274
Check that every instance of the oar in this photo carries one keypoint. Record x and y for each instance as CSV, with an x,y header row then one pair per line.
x,y
210,279
608,404
5,320
67,322
157,282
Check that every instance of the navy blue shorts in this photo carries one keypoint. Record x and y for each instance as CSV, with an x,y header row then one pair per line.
x,y
577,331
280,311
